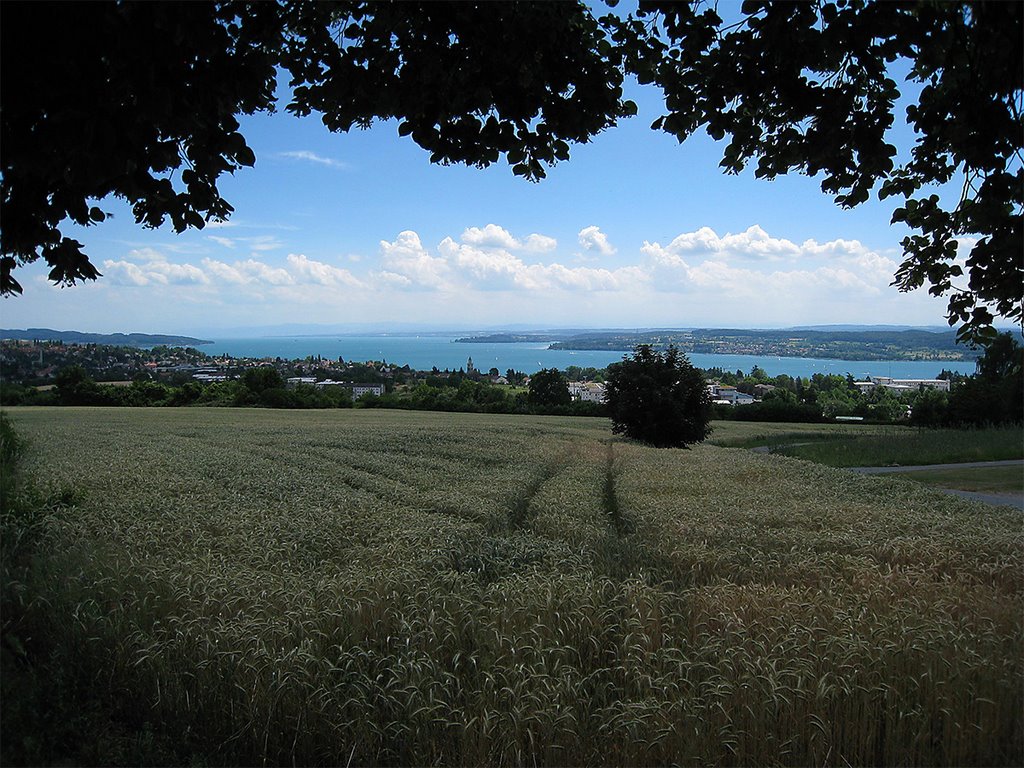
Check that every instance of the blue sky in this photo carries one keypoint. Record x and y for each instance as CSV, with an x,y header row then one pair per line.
x,y
634,230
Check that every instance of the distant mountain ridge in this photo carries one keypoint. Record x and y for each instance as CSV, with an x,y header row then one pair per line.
x,y
113,339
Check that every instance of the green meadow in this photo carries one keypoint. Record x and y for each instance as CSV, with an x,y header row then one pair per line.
x,y
869,445
366,587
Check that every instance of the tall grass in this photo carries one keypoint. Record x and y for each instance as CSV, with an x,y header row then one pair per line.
x,y
864,445
403,588
907,447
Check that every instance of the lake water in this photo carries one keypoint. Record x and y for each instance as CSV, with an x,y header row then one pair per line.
x,y
425,352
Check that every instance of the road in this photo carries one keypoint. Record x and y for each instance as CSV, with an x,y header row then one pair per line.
x,y
1002,499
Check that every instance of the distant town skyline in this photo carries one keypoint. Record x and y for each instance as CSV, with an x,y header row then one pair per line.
x,y
633,230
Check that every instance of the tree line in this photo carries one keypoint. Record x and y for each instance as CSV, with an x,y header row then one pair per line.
x,y
993,395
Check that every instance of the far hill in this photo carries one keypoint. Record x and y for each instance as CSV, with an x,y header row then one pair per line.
x,y
836,345
114,339
823,342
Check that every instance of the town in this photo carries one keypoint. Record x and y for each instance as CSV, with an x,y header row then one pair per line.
x,y
37,372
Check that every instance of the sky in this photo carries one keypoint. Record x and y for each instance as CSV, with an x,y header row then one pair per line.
x,y
348,230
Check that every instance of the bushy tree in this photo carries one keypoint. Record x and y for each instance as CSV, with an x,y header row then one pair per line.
x,y
658,398
145,105
791,86
548,387
928,408
995,394
811,87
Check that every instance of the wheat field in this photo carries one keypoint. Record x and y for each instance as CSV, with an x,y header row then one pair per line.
x,y
366,587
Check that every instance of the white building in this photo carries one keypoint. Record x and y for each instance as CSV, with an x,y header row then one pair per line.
x,y
901,385
592,393
587,391
723,394
357,390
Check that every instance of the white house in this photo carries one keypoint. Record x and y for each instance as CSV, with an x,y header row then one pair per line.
x,y
901,385
723,394
592,393
359,390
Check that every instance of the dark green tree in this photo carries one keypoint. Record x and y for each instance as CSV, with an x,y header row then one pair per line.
x,y
809,87
658,398
928,408
548,388
144,105
995,394
74,386
259,380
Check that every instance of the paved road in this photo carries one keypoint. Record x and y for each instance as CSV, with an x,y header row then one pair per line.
x,y
923,467
1002,499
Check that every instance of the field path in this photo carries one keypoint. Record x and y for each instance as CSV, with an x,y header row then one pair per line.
x,y
923,467
1004,499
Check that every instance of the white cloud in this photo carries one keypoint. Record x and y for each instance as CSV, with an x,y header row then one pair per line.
x,y
493,236
494,269
313,157
407,258
225,272
255,243
261,242
699,277
318,272
593,239
146,266
264,273
540,243
124,273
700,261
754,243
227,242
248,272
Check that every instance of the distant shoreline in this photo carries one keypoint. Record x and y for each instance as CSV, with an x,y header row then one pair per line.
x,y
111,339
869,345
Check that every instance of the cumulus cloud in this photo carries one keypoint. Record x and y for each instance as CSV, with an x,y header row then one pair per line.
x,y
408,264
313,157
225,273
248,272
593,239
320,273
752,243
146,266
540,243
703,261
494,269
493,236
699,276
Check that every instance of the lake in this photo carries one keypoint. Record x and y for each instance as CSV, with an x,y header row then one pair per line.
x,y
425,352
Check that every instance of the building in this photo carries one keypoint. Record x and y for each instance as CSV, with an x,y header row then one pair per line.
x,y
723,394
587,391
901,385
356,390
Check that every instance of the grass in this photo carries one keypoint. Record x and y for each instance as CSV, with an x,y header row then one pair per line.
x,y
843,445
908,447
392,588
752,434
1009,480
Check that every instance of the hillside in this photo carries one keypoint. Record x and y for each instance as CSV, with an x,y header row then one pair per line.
x,y
822,344
114,339
370,587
